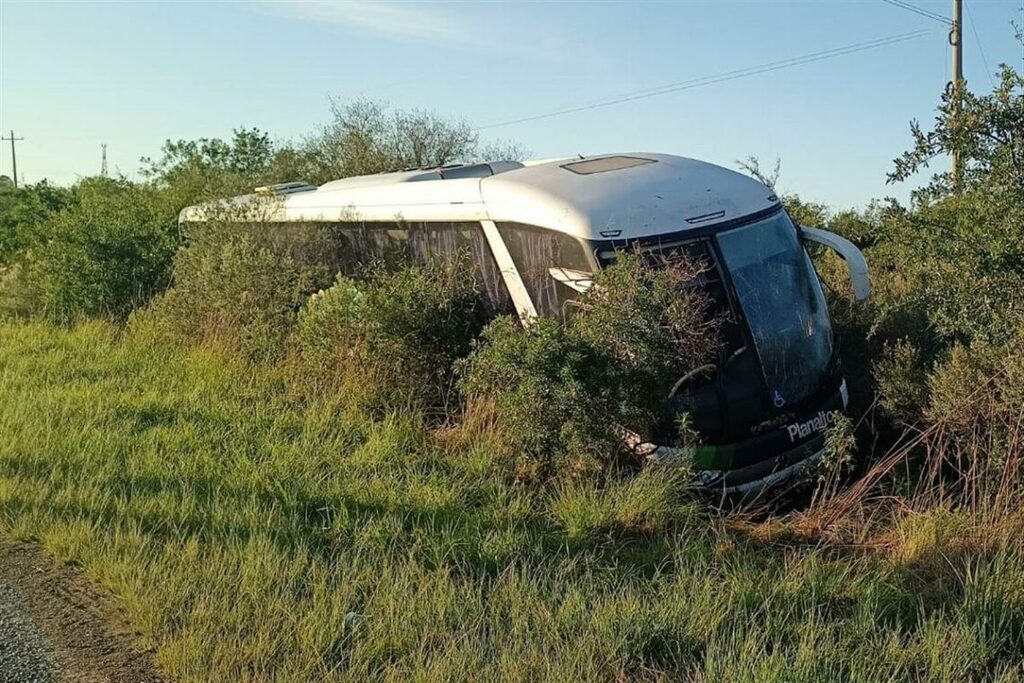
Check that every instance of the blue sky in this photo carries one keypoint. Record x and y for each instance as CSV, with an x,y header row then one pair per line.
x,y
131,74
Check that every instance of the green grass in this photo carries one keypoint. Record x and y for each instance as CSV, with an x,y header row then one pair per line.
x,y
255,534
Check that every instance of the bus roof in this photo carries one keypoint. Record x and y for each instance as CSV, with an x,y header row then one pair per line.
x,y
611,196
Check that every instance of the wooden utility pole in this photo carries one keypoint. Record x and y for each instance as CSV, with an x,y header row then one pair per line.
x,y
956,35
14,157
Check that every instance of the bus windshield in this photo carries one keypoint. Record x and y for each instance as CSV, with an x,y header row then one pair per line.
x,y
783,304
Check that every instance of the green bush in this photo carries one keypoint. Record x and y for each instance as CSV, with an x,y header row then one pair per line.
x,y
394,337
902,381
104,254
642,314
22,211
550,395
560,396
979,391
234,292
314,250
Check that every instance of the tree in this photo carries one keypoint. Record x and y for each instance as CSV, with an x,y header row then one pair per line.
x,y
208,168
958,256
988,133
366,137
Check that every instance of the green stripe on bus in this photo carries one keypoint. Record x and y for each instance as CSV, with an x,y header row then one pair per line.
x,y
713,457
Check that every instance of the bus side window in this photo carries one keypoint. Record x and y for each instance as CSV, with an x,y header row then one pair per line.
x,y
534,251
362,243
388,243
445,239
354,250
401,243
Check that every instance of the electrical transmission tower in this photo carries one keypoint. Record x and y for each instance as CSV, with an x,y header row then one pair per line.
x,y
103,163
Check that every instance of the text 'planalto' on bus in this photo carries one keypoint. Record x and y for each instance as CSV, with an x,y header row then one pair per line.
x,y
537,231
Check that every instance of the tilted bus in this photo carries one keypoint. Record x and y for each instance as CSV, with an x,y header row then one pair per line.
x,y
538,232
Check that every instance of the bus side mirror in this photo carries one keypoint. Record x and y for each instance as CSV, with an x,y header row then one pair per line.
x,y
855,262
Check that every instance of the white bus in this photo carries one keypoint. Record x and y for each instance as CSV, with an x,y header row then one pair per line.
x,y
538,231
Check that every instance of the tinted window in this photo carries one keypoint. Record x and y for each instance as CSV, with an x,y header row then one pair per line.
x,y
363,243
398,243
439,240
535,251
783,304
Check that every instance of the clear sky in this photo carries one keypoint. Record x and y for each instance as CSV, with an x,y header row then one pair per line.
x,y
74,75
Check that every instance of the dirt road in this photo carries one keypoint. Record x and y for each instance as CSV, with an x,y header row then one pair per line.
x,y
25,656
55,626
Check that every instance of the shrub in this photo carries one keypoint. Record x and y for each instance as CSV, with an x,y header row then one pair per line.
x,y
234,291
22,211
642,314
104,254
962,387
561,396
395,336
550,394
976,439
902,382
315,249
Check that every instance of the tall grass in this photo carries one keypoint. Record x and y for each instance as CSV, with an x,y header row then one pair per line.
x,y
255,532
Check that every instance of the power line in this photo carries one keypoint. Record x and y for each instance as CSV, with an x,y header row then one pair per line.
x,y
984,59
721,77
919,11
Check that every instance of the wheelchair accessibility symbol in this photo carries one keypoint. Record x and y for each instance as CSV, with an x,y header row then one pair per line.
x,y
777,398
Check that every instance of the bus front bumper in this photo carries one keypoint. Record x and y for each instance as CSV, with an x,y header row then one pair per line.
x,y
762,462
754,479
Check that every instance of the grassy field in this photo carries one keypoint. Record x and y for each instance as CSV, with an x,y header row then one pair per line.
x,y
253,533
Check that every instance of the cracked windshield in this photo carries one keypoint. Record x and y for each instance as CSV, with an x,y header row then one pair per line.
x,y
783,304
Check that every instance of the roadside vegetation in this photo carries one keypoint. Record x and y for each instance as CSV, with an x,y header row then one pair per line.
x,y
286,474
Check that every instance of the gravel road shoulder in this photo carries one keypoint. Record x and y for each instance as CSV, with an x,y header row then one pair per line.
x,y
56,626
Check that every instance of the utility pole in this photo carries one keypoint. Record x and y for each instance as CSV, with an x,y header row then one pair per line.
x,y
956,35
103,164
14,158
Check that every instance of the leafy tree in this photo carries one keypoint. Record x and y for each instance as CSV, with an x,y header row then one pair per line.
x,y
366,137
192,171
986,130
961,254
948,271
362,137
